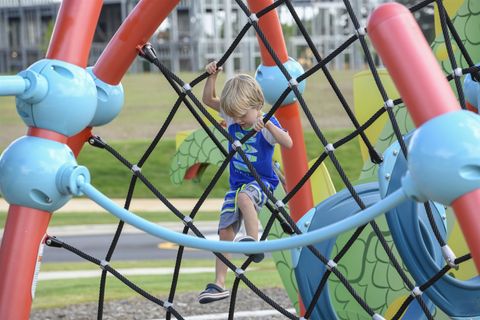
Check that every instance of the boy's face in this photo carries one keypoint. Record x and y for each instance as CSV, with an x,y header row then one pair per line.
x,y
247,120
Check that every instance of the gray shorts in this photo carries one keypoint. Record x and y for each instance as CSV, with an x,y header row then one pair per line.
x,y
230,214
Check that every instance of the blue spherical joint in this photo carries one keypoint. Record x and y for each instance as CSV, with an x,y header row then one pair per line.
x,y
70,178
28,173
471,89
273,82
69,104
444,158
110,100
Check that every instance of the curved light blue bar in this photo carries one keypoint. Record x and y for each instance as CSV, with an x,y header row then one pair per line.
x,y
13,85
236,247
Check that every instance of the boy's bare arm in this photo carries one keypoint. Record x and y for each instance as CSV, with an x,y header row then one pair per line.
x,y
282,137
209,96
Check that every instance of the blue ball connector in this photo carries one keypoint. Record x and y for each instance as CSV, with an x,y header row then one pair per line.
x,y
273,82
444,158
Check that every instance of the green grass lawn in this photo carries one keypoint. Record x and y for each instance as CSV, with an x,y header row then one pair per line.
x,y
59,293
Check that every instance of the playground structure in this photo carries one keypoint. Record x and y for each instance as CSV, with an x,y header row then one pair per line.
x,y
45,89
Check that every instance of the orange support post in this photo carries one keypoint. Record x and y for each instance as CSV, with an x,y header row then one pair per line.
x,y
294,159
135,31
120,52
20,252
74,30
77,141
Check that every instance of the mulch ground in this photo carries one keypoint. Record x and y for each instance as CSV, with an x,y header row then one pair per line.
x,y
186,304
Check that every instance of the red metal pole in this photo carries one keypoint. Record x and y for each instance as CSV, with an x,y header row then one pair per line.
x,y
77,141
21,245
407,55
120,52
405,52
74,29
26,227
294,159
135,31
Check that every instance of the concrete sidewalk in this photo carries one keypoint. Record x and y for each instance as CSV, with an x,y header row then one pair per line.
x,y
137,205
84,274
99,229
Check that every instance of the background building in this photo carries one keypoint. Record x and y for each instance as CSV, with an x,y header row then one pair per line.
x,y
196,32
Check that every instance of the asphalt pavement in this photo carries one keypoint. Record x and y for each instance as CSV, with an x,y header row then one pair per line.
x,y
133,244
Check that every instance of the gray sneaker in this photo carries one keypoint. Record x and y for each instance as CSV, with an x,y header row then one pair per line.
x,y
256,257
212,293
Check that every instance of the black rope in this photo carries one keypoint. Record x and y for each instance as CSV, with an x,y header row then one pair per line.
x,y
451,56
192,227
428,284
375,157
461,46
55,242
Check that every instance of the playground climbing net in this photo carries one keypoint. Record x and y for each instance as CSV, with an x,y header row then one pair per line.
x,y
277,207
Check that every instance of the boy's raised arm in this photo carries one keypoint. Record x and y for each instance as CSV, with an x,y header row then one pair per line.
x,y
209,96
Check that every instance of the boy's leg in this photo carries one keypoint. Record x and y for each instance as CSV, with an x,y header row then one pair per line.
x,y
228,226
249,213
227,234
216,291
250,200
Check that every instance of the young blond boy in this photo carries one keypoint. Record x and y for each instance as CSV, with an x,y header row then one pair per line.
x,y
240,105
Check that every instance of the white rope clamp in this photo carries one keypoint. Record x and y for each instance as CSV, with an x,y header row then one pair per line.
x,y
236,144
239,272
187,220
103,264
136,169
329,148
186,87
389,104
292,83
330,265
167,305
376,316
361,31
252,18
457,72
449,256
416,292
279,204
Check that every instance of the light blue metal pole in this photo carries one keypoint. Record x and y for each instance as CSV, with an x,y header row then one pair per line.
x,y
295,241
13,85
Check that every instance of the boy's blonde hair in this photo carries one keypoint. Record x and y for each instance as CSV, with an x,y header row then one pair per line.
x,y
240,94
